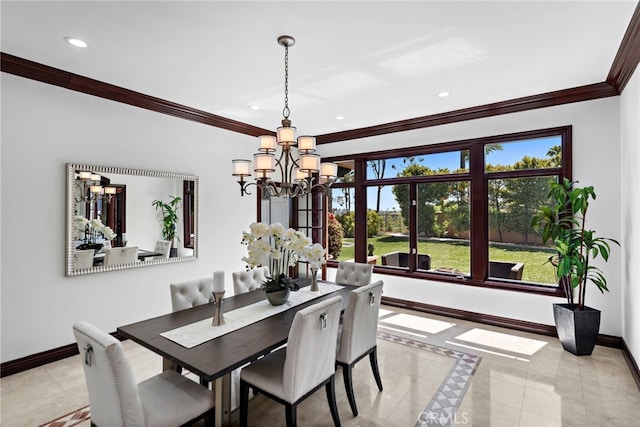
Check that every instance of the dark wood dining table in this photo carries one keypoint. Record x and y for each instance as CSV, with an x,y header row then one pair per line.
x,y
142,255
214,360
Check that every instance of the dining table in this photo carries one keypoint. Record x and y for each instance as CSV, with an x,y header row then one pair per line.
x,y
213,360
143,254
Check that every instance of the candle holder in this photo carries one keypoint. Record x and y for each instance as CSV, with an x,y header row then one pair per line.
x,y
218,315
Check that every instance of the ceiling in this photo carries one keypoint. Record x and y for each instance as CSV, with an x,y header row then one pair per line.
x,y
370,62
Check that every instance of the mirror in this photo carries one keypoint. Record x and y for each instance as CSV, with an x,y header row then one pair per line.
x,y
126,218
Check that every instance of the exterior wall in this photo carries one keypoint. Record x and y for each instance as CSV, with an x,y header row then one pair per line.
x,y
596,161
43,127
630,201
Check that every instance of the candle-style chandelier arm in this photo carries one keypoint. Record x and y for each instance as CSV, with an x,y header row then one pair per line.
x,y
89,189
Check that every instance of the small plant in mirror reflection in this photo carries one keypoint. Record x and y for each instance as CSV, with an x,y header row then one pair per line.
x,y
169,216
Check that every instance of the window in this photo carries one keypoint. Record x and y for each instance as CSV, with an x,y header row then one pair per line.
x,y
458,211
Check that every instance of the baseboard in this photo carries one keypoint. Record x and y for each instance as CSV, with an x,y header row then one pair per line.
x,y
631,362
42,358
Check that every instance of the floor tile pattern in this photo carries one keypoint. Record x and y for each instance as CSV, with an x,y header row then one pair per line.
x,y
442,408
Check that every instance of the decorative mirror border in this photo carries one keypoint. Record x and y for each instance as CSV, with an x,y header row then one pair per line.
x,y
70,209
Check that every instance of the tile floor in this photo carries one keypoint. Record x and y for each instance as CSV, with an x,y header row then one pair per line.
x,y
520,379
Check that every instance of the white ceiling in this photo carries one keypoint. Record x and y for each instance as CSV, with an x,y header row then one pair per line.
x,y
371,62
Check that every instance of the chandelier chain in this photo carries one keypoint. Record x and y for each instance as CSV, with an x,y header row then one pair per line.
x,y
286,111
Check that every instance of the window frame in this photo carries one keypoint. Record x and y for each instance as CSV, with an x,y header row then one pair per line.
x,y
479,226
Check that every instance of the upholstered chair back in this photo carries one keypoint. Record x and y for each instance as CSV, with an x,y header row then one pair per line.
x,y
360,322
121,255
310,355
113,392
191,293
83,259
164,247
353,273
245,281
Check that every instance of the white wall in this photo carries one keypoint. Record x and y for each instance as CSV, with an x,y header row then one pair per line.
x,y
43,127
630,200
596,161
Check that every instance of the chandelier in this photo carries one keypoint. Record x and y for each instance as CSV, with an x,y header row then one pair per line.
x,y
300,170
89,188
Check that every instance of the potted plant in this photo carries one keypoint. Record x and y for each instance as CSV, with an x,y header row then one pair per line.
x,y
564,223
169,220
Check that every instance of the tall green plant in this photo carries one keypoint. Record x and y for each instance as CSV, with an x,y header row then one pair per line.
x,y
564,222
169,216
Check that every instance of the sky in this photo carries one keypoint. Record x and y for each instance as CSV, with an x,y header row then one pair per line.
x,y
511,153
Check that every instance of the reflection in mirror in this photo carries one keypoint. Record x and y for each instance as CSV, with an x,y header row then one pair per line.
x,y
112,223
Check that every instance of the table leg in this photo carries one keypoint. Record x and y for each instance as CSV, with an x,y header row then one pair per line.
x,y
222,387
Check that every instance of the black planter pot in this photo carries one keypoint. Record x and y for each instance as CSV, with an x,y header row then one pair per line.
x,y
173,252
577,329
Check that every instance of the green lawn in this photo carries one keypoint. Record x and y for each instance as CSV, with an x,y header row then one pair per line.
x,y
456,254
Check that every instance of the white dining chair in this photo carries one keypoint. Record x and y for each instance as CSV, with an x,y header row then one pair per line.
x,y
83,259
359,336
191,293
353,273
167,399
307,363
164,247
188,294
121,255
245,281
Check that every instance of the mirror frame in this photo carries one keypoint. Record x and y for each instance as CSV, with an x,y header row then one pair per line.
x,y
70,210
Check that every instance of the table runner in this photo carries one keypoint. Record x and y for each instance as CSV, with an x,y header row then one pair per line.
x,y
201,331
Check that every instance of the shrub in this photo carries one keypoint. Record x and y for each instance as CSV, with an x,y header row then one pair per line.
x,y
335,236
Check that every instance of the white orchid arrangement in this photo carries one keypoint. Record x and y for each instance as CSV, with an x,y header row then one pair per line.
x,y
314,255
92,228
283,248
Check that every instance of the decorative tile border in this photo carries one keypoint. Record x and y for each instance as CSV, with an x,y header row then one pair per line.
x,y
441,410
70,419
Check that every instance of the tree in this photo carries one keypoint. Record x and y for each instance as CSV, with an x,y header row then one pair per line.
x,y
429,195
378,167
498,200
525,195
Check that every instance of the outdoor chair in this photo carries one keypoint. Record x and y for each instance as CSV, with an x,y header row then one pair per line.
x,y
506,270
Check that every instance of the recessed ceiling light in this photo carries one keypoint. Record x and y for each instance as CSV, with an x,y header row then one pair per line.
x,y
75,42
444,94
254,107
339,117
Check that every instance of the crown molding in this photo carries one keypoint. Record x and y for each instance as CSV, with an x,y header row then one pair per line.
x,y
43,73
628,56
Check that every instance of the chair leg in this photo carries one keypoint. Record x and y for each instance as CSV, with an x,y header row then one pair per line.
x,y
330,387
348,386
244,403
210,418
373,358
204,382
291,412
